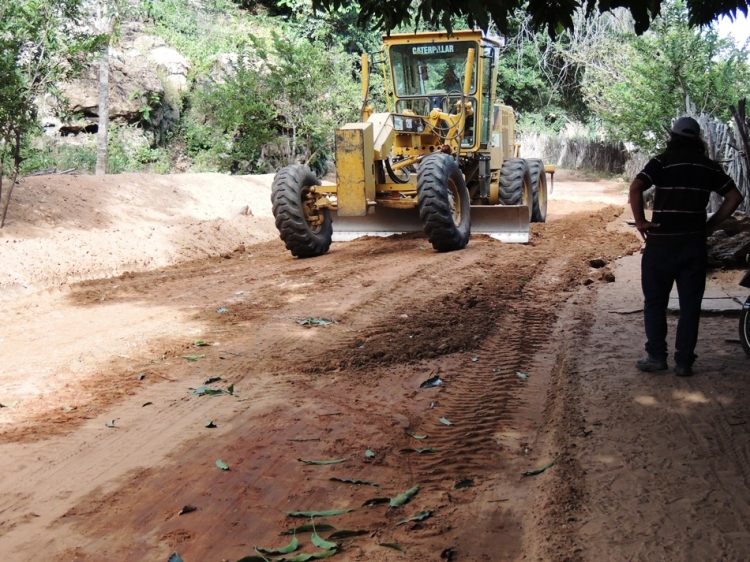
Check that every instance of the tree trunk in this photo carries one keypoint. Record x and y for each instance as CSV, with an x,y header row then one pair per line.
x,y
14,179
102,136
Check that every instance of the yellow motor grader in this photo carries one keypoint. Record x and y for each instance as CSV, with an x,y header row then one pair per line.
x,y
443,159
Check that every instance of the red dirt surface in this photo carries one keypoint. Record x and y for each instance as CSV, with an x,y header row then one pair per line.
x,y
532,346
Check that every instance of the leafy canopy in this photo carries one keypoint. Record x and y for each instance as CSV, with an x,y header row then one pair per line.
x,y
553,16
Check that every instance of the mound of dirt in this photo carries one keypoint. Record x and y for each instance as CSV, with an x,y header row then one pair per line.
x,y
63,229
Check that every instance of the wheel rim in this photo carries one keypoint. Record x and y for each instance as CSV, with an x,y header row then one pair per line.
x,y
454,201
314,217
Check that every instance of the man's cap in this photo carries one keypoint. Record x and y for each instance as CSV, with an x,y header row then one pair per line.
x,y
687,127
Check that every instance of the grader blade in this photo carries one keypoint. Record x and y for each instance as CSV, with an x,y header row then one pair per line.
x,y
504,223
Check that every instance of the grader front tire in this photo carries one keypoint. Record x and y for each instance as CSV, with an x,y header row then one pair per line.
x,y
305,230
444,204
515,184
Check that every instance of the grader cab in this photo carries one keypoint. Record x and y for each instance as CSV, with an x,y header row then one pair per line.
x,y
442,159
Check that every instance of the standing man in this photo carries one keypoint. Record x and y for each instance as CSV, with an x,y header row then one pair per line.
x,y
684,178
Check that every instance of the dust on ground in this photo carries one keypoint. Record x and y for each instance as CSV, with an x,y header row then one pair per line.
x,y
115,285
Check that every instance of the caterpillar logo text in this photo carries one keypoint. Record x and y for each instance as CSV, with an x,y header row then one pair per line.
x,y
432,49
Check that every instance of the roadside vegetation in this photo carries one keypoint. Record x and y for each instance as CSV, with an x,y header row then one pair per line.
x,y
270,80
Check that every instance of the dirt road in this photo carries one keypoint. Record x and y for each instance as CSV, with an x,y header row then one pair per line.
x,y
105,437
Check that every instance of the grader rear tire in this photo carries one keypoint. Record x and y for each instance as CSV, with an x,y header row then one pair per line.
x,y
515,183
444,204
538,189
306,231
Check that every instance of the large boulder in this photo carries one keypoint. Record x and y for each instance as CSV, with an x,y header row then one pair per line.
x,y
146,78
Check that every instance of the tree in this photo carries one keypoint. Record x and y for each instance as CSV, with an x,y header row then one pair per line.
x,y
637,85
388,15
41,42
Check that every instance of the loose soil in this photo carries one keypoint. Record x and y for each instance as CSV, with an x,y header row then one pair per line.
x,y
111,285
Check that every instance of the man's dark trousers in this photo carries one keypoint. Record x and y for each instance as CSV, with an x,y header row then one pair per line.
x,y
661,266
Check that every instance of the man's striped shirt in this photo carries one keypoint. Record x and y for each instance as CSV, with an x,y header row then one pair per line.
x,y
684,181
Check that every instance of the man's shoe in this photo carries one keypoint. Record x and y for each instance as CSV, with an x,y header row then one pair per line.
x,y
683,370
651,364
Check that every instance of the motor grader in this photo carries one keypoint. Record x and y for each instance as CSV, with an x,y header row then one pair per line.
x,y
442,159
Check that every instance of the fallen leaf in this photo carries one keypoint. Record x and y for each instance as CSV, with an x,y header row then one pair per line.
x,y
346,533
175,558
321,543
354,481
538,470
333,461
475,359
421,516
209,380
419,436
401,499
304,557
110,423
147,404
230,389
420,451
253,559
66,408
207,391
291,547
193,357
446,421
210,424
222,465
329,513
310,321
187,509
222,310
141,376
393,545
369,454
200,343
521,375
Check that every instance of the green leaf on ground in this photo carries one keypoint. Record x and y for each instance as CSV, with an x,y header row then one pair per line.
x,y
369,454
353,481
209,380
193,357
110,423
346,533
421,516
521,375
291,547
446,421
375,501
210,424
332,461
309,529
393,545
253,559
304,557
230,389
329,513
401,499
420,437
321,543
538,470
200,343
187,509
222,465
175,558
69,408
420,451
467,483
